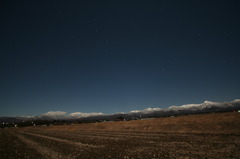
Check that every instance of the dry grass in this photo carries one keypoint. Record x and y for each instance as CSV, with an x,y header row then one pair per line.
x,y
194,136
216,123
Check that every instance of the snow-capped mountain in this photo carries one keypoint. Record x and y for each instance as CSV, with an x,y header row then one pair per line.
x,y
145,111
205,107
205,104
77,115
52,115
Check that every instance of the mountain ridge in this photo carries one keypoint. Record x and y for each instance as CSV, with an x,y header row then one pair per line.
x,y
205,107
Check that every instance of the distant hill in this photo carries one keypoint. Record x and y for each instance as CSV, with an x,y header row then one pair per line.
x,y
205,107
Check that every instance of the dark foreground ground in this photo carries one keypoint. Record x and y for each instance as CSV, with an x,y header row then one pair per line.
x,y
137,140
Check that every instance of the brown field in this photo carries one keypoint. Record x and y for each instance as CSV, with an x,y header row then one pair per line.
x,y
194,136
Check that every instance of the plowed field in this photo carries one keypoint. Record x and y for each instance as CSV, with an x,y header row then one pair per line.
x,y
73,142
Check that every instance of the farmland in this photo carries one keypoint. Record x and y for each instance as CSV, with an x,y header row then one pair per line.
x,y
194,136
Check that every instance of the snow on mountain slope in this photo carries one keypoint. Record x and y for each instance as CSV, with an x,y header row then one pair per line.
x,y
200,106
80,114
190,107
236,100
54,113
147,110
205,107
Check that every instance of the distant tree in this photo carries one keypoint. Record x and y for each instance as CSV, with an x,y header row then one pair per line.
x,y
120,118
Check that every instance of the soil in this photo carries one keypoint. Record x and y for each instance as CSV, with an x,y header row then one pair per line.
x,y
195,136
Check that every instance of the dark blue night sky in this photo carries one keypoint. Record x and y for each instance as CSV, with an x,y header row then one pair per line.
x,y
117,56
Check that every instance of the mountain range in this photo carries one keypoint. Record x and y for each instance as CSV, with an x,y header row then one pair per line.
x,y
205,107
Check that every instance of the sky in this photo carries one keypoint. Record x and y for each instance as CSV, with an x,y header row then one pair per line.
x,y
116,56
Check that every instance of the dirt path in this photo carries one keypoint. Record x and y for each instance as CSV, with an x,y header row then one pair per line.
x,y
61,140
45,151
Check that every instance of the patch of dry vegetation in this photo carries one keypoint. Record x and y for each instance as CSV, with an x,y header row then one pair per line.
x,y
194,136
216,123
